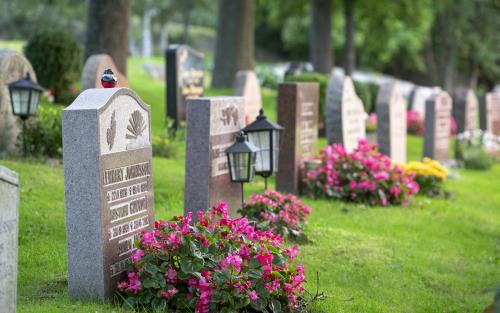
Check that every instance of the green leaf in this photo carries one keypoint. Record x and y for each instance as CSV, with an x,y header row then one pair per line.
x,y
259,304
275,305
252,273
191,265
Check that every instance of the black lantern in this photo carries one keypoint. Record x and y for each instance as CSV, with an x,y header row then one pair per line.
x,y
241,161
265,135
24,97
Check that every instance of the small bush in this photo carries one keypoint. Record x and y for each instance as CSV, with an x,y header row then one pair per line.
x,y
414,123
285,215
475,158
363,176
367,92
472,149
56,57
430,176
43,134
218,264
163,145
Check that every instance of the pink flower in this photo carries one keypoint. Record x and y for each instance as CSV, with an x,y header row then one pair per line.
x,y
232,260
172,292
253,295
148,238
171,275
137,256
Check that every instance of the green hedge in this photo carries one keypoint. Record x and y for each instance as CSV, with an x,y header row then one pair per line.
x,y
56,57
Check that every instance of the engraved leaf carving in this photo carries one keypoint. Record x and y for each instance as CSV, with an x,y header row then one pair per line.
x,y
111,132
136,125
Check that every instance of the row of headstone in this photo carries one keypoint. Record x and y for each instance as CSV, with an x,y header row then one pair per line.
x,y
489,112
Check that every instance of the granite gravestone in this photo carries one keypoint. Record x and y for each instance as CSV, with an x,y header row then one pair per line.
x,y
437,126
212,126
345,114
13,67
9,228
298,114
418,98
108,186
465,109
248,87
184,79
95,65
391,130
489,112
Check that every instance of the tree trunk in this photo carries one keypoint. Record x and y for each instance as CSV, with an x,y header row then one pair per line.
x,y
350,49
320,38
107,30
234,49
185,24
147,40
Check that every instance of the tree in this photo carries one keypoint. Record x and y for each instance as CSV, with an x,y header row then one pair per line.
x,y
107,30
234,49
320,38
350,48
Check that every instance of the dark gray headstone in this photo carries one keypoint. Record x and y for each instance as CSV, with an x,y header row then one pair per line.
x,y
489,112
185,70
437,126
298,114
108,186
13,67
465,109
9,228
212,126
391,128
345,114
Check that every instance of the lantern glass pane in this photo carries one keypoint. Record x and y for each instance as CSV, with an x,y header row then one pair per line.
x,y
20,99
35,99
262,140
276,149
239,163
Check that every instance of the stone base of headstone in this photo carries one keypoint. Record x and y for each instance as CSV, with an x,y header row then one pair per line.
x,y
13,67
9,228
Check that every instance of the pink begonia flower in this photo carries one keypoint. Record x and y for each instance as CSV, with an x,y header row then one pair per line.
x,y
172,292
137,256
171,275
253,295
232,260
148,237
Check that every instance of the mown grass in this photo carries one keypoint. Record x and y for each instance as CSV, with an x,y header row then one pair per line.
x,y
434,255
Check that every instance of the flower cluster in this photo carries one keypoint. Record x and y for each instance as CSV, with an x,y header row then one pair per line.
x,y
414,123
429,174
371,123
365,176
215,264
283,214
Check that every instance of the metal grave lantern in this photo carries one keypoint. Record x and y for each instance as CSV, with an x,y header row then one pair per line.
x,y
241,161
265,135
25,97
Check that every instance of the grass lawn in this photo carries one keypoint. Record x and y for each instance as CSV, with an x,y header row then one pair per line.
x,y
435,255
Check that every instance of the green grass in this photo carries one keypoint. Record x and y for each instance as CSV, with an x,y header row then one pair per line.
x,y
434,255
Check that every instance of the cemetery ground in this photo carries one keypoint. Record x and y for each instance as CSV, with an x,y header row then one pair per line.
x,y
434,255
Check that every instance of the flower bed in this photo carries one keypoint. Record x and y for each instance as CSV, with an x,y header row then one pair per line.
x,y
364,176
218,264
283,214
429,174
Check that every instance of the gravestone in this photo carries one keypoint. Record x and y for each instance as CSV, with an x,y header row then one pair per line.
x,y
108,186
185,70
13,67
418,98
437,126
345,114
465,109
212,126
9,229
248,87
298,114
391,129
93,69
489,112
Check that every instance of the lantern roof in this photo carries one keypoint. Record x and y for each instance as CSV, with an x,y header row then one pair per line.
x,y
242,145
26,83
262,123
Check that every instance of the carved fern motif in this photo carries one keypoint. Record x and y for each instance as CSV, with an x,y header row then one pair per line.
x,y
136,125
111,132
